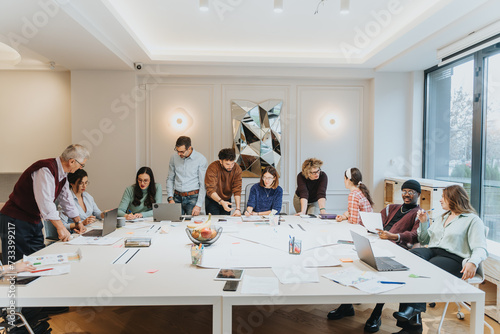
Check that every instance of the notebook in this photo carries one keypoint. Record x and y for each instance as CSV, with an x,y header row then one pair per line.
x,y
167,211
365,253
108,225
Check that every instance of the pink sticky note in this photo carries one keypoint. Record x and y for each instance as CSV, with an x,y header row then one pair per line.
x,y
130,232
152,271
236,243
118,246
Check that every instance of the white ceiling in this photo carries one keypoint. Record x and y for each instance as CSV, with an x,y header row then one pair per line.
x,y
385,35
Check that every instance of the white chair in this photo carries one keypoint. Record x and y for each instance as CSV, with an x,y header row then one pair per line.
x,y
476,280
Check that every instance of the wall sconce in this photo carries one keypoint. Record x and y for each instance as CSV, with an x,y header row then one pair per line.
x,y
329,123
204,5
180,120
278,6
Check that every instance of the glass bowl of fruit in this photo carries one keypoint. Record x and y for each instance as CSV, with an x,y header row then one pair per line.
x,y
206,235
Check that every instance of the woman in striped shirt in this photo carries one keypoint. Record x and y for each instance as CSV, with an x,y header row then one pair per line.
x,y
359,198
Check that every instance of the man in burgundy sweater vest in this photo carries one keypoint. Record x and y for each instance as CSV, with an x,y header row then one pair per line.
x,y
33,199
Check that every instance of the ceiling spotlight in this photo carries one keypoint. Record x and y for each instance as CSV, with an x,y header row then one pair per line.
x,y
344,7
204,5
52,65
278,6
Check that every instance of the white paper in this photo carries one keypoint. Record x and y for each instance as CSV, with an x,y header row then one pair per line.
x,y
58,270
101,241
366,281
136,226
372,221
260,285
294,275
49,259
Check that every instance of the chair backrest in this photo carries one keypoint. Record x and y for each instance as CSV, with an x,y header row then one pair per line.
x,y
247,193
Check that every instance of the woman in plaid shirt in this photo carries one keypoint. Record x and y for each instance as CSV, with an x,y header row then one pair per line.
x,y
359,197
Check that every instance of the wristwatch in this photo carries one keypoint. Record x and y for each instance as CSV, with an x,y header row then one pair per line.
x,y
170,199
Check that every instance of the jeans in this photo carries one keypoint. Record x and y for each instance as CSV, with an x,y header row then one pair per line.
x,y
25,238
187,202
214,208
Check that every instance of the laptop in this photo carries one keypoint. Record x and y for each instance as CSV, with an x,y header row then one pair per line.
x,y
167,211
365,253
108,225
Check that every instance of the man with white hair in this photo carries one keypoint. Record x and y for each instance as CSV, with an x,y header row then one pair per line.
x,y
33,199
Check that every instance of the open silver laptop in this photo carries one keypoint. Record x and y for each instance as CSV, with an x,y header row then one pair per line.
x,y
108,225
167,211
365,254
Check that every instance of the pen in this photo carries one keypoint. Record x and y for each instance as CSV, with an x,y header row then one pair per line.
x,y
301,227
290,226
390,282
40,270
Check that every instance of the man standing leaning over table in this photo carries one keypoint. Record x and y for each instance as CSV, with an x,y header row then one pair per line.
x,y
222,180
186,177
33,199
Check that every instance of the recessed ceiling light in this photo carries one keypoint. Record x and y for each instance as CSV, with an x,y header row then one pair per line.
x,y
278,6
344,7
204,5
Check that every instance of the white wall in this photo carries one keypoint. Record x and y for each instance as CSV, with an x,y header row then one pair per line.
x,y
397,127
104,120
35,117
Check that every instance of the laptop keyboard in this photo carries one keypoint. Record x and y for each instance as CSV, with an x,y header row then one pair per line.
x,y
388,264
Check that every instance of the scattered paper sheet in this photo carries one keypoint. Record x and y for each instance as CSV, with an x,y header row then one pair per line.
x,y
260,285
366,281
296,274
48,259
372,221
101,241
61,269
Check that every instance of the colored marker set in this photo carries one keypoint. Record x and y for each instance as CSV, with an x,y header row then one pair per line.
x,y
294,245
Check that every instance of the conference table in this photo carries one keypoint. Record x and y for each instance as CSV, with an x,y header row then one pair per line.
x,y
162,274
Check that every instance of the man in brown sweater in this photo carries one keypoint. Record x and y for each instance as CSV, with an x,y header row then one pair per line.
x,y
222,180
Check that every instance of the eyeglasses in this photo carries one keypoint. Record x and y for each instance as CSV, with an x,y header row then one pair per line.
x,y
180,152
408,192
86,183
316,172
143,181
268,178
81,165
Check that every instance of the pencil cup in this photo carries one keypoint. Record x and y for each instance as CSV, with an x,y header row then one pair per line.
x,y
196,254
120,222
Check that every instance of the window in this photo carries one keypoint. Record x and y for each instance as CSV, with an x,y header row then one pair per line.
x,y
462,130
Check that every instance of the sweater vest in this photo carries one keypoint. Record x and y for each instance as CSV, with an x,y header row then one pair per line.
x,y
22,204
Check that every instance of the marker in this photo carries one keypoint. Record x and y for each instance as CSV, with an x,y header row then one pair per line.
x,y
39,271
389,282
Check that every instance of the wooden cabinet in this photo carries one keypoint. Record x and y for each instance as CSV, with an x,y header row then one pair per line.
x,y
432,190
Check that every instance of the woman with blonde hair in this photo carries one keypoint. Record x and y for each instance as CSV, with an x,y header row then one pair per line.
x,y
310,196
359,198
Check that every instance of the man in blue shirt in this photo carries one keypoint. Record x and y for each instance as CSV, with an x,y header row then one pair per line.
x,y
186,177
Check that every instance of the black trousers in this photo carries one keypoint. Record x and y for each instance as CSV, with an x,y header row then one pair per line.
x,y
441,258
19,238
214,208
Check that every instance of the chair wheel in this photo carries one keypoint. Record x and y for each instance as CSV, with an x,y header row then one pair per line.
x,y
460,315
432,304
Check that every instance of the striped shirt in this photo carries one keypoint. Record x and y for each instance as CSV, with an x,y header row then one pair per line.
x,y
357,202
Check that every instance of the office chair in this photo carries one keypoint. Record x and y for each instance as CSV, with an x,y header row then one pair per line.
x,y
247,194
475,281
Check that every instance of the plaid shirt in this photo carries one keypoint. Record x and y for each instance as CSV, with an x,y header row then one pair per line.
x,y
357,202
